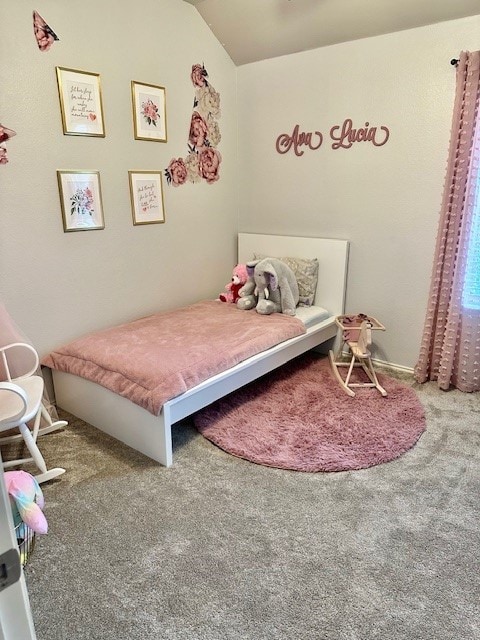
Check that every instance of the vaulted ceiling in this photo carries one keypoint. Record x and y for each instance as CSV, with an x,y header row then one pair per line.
x,y
252,30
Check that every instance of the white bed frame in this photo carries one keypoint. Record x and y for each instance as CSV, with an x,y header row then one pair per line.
x,y
151,435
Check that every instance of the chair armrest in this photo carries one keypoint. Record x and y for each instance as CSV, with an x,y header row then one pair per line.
x,y
8,418
26,348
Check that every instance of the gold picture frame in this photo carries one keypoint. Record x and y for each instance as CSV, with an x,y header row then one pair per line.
x,y
80,102
149,112
81,200
146,197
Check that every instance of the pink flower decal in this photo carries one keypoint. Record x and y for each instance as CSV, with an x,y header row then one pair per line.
x,y
209,165
202,161
176,172
5,134
44,35
199,75
198,131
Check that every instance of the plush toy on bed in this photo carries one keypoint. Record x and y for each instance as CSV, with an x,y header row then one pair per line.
x,y
239,278
27,500
248,298
275,285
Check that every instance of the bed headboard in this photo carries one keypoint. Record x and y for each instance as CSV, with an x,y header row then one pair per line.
x,y
332,257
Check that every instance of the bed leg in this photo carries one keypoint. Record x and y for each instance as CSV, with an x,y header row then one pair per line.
x,y
167,435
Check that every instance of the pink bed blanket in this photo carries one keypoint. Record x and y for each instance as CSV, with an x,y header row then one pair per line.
x,y
154,359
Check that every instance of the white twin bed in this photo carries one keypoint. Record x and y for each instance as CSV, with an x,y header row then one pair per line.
x,y
151,434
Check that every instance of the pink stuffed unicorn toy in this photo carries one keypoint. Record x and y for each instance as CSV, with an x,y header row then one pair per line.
x,y
26,495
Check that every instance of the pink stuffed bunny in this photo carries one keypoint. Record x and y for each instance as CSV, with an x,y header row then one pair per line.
x,y
26,495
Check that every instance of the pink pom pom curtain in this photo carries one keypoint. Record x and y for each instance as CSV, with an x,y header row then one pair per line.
x,y
450,349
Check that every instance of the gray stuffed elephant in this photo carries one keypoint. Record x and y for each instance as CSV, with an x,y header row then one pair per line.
x,y
275,285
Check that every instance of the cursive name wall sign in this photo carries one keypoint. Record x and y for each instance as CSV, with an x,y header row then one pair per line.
x,y
343,136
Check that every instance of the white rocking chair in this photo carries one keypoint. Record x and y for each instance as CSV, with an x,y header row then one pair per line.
x,y
357,336
21,400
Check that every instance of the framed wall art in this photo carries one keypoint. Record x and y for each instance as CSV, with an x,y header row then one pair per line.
x,y
81,200
149,112
146,196
80,102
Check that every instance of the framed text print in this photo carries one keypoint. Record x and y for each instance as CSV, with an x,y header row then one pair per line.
x,y
80,102
149,112
81,200
146,195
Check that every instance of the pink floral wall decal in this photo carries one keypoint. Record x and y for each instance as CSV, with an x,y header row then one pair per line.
x,y
5,134
44,35
203,159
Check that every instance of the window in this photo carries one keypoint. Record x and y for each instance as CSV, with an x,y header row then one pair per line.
x,y
471,287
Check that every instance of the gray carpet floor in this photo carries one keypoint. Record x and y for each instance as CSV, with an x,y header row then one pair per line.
x,y
219,548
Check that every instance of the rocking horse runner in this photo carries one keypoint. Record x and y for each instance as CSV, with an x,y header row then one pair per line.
x,y
357,335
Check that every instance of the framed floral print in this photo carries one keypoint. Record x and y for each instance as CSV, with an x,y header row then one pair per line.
x,y
80,102
146,196
80,200
149,112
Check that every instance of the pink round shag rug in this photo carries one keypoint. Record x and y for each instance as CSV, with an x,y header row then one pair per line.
x,y
298,418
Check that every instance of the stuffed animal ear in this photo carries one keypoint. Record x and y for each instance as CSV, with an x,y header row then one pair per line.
x,y
251,267
271,274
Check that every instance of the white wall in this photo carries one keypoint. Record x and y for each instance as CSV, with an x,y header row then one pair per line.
x,y
60,285
385,200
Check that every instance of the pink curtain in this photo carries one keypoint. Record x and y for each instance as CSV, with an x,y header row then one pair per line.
x,y
450,349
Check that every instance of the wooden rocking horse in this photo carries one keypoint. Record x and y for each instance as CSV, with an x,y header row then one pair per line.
x,y
357,336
